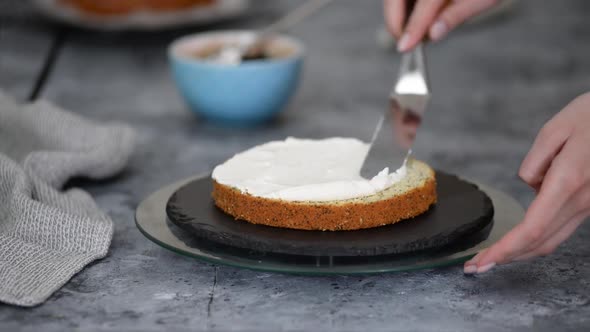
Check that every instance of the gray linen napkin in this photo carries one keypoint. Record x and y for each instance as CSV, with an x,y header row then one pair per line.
x,y
48,235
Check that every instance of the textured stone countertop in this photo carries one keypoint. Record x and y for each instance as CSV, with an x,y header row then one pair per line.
x,y
495,83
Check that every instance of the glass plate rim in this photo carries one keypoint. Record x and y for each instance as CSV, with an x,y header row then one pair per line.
x,y
438,262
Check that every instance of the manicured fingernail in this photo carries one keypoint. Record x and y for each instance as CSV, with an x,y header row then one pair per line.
x,y
470,269
473,260
403,43
438,30
485,268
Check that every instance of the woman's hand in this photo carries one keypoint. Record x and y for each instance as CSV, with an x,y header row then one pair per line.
x,y
434,18
558,168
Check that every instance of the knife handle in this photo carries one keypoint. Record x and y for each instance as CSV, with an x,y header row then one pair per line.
x,y
410,5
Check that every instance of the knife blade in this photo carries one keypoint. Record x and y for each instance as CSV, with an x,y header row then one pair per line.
x,y
395,133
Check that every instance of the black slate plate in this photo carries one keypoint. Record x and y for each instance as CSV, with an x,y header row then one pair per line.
x,y
462,209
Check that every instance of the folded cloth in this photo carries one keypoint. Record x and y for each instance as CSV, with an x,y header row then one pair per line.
x,y
47,235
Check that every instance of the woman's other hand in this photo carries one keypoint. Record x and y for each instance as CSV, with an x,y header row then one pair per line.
x,y
558,168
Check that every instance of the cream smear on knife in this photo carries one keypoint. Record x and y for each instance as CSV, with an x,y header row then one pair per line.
x,y
305,170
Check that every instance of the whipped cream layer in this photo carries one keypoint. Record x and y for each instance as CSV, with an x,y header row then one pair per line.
x,y
305,170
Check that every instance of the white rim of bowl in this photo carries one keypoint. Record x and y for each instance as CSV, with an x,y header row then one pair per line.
x,y
174,52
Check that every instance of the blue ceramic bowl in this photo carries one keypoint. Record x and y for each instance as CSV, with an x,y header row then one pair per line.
x,y
244,94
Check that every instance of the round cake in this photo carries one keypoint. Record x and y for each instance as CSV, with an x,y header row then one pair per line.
x,y
126,7
316,185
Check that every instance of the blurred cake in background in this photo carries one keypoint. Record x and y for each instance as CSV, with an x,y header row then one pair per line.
x,y
125,7
140,14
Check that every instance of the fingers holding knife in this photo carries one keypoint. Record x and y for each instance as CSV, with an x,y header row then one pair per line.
x,y
432,19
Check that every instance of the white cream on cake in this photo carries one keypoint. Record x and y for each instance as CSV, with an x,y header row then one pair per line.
x,y
304,170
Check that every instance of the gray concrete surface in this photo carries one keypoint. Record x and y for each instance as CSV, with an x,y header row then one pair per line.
x,y
24,47
495,84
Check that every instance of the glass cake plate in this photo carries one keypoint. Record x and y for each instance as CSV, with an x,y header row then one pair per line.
x,y
152,221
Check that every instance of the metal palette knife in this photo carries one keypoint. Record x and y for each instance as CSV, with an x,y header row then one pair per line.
x,y
395,133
